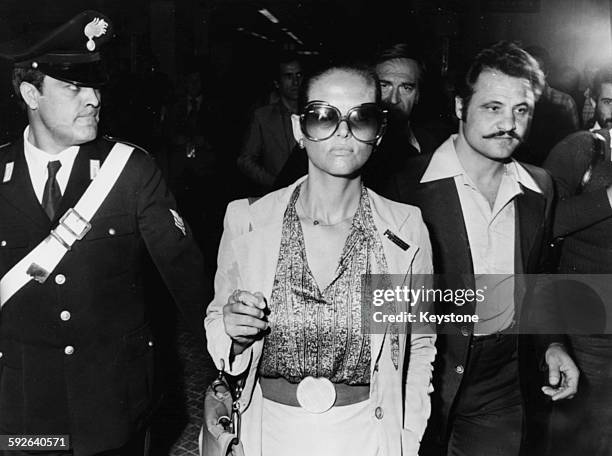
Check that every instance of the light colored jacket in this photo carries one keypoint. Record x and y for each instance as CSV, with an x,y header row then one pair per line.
x,y
247,260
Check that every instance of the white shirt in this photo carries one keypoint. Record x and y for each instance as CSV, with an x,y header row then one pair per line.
x,y
598,127
595,127
37,161
413,141
490,231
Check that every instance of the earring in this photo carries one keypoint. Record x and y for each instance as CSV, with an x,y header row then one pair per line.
x,y
301,143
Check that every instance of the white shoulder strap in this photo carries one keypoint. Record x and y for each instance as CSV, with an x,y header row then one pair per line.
x,y
74,224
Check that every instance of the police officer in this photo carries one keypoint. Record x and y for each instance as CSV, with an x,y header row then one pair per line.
x,y
76,349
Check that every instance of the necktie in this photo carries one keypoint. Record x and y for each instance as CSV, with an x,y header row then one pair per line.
x,y
52,194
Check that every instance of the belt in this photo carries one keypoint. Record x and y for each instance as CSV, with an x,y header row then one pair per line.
x,y
284,392
498,336
509,331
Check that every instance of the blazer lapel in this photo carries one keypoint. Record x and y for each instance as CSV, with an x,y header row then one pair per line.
x,y
441,207
452,257
258,249
530,208
19,192
398,260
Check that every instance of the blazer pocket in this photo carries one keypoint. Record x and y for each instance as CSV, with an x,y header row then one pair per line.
x,y
12,398
109,227
110,244
13,245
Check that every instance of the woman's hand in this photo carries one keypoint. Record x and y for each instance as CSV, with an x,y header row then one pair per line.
x,y
244,317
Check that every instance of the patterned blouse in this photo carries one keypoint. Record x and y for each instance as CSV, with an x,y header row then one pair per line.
x,y
319,333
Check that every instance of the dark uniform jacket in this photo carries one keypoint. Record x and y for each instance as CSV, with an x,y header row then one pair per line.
x,y
267,145
77,350
441,208
581,167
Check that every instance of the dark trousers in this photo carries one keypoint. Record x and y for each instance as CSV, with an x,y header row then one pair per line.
x,y
583,425
487,418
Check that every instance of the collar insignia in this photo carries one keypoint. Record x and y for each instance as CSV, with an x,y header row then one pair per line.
x,y
94,168
8,172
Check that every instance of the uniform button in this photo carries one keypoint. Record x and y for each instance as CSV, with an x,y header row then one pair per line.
x,y
65,315
3,243
465,331
459,369
378,413
60,279
112,231
150,343
69,349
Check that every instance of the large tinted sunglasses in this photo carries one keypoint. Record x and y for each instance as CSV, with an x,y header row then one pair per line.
x,y
320,121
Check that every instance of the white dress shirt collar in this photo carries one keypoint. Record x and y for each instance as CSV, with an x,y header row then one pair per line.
x,y
37,160
445,164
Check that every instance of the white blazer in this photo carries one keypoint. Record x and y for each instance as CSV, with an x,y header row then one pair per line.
x,y
247,260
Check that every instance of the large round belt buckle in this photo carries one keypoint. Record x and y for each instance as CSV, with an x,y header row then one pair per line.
x,y
316,395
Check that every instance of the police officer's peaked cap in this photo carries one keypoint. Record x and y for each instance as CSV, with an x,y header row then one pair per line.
x,y
69,53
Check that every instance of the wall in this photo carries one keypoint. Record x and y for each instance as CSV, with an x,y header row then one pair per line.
x,y
572,31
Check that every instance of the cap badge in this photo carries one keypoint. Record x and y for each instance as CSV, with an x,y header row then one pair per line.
x,y
94,29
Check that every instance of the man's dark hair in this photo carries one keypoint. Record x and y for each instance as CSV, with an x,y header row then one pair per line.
x,y
284,58
288,57
506,57
366,72
603,76
401,51
31,75
541,55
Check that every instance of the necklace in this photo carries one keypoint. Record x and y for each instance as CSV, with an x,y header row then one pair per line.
x,y
317,222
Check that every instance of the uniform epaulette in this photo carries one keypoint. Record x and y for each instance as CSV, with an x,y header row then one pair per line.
x,y
135,146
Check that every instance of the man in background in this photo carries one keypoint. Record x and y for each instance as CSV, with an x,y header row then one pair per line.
x,y
269,139
401,75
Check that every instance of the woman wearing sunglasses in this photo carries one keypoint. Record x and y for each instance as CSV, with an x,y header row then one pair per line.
x,y
287,311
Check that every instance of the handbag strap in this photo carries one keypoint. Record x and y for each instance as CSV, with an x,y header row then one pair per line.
x,y
73,226
235,389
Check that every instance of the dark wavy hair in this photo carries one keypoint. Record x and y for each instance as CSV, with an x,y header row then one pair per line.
x,y
31,75
603,76
359,69
506,57
402,51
